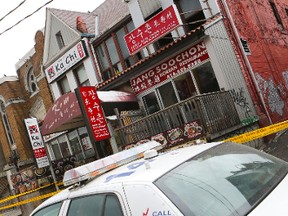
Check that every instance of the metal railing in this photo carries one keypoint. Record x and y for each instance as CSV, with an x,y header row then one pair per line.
x,y
216,112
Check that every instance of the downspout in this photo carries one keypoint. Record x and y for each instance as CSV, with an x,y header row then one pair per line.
x,y
250,70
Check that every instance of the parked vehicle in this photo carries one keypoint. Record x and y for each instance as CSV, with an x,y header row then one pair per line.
x,y
206,179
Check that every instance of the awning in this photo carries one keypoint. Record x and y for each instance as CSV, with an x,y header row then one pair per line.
x,y
66,114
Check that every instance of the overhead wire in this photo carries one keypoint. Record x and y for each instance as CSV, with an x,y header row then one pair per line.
x,y
26,17
12,10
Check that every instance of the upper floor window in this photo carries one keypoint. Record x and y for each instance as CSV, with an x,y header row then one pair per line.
x,y
60,40
6,123
31,81
276,14
191,13
113,55
64,85
81,76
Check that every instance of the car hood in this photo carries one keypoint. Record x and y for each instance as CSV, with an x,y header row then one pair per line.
x,y
275,203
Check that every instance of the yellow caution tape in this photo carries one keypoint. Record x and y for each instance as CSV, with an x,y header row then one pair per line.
x,y
29,200
258,133
28,192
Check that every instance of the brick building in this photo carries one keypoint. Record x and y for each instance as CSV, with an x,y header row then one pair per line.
x,y
259,32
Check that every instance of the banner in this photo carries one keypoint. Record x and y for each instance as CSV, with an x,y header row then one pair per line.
x,y
36,142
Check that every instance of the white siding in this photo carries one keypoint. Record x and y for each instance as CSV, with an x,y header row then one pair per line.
x,y
228,70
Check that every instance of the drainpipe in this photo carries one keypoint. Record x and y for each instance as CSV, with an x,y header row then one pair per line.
x,y
250,70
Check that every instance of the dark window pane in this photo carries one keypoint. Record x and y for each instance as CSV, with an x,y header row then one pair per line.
x,y
151,103
51,210
185,86
165,90
88,206
112,206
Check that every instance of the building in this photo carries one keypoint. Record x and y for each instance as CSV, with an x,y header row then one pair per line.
x,y
258,31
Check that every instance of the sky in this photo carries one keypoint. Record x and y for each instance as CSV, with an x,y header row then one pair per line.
x,y
19,40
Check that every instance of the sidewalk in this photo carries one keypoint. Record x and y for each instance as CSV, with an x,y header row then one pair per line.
x,y
279,145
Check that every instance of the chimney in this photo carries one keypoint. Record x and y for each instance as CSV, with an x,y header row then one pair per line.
x,y
81,25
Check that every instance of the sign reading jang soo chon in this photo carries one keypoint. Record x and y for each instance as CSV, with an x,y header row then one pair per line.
x,y
156,27
37,142
93,113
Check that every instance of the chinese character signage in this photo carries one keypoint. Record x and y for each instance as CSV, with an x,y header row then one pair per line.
x,y
156,27
70,58
180,63
93,113
36,142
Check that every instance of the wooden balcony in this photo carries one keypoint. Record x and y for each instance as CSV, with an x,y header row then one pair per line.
x,y
212,113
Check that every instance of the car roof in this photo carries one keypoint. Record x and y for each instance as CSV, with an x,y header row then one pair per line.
x,y
135,171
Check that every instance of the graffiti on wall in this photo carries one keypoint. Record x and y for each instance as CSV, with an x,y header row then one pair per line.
x,y
271,94
240,99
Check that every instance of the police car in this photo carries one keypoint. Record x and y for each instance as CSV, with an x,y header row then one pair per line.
x,y
207,179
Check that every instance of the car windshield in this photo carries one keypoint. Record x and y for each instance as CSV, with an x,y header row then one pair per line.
x,y
229,179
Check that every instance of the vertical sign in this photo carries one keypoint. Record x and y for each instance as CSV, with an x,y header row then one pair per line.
x,y
36,142
92,110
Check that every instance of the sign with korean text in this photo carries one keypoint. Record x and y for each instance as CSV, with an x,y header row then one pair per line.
x,y
36,142
178,64
90,103
156,27
65,62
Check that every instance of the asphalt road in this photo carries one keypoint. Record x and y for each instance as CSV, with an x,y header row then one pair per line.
x,y
279,145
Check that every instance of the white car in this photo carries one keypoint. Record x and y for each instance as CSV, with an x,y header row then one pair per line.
x,y
211,179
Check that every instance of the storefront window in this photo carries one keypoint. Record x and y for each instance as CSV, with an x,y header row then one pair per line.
x,y
56,150
205,78
185,86
75,145
81,76
86,143
151,103
64,85
64,146
167,89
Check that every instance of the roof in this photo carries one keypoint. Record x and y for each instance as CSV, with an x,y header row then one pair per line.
x,y
69,17
110,12
135,172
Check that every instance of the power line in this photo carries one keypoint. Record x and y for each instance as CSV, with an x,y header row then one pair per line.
x,y
26,17
12,10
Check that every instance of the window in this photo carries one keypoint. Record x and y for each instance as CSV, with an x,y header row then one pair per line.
x,y
60,40
205,77
86,142
192,13
228,179
64,85
56,150
51,210
185,86
277,16
63,144
95,205
151,103
31,81
81,76
6,123
167,89
75,145
113,54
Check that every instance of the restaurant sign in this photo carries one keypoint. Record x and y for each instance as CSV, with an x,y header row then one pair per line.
x,y
93,113
37,142
156,27
69,59
180,63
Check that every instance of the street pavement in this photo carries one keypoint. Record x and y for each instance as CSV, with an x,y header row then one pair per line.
x,y
278,146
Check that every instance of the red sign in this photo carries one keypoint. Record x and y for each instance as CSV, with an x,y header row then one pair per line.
x,y
94,113
170,68
156,27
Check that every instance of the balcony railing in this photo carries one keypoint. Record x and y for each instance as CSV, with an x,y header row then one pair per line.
x,y
215,111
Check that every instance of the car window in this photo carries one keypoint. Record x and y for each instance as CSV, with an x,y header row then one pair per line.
x,y
95,205
229,179
112,206
88,205
51,210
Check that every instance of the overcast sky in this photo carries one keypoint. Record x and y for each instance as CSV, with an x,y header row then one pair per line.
x,y
19,40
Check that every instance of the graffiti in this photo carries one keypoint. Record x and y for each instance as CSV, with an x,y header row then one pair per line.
x,y
270,94
240,99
